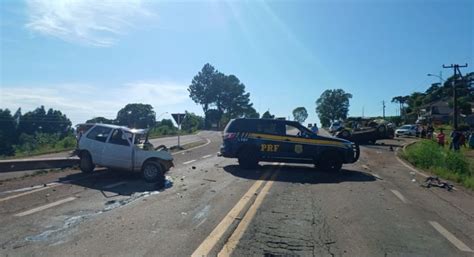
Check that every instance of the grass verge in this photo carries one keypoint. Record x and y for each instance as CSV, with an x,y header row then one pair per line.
x,y
454,166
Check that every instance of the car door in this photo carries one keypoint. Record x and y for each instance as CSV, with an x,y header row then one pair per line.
x,y
95,143
297,143
117,152
269,139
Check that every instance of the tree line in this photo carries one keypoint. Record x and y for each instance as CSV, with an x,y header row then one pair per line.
x,y
410,105
41,131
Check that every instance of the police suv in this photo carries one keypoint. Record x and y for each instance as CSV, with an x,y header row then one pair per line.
x,y
254,140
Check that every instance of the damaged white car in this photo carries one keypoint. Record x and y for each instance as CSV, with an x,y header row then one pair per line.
x,y
122,148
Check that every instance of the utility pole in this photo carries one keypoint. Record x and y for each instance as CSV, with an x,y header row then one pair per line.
x,y
457,72
383,104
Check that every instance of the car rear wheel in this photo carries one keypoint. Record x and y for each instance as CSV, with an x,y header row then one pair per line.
x,y
86,164
248,158
153,173
330,161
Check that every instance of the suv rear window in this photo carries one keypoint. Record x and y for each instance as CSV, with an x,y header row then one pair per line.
x,y
240,126
99,133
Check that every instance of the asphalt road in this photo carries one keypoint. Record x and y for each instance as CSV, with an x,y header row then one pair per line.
x,y
212,207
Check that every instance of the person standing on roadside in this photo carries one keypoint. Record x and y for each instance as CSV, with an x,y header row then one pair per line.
x,y
315,128
462,139
440,137
430,131
455,137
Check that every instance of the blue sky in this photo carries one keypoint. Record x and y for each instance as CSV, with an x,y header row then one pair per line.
x,y
89,59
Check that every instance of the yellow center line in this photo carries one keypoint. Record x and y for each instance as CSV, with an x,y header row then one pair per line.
x,y
234,239
210,242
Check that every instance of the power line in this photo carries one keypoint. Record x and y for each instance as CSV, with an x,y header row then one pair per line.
x,y
457,72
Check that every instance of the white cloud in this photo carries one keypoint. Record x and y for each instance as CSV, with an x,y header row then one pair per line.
x,y
81,102
88,22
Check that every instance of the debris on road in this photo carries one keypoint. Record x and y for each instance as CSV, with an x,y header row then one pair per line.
x,y
436,182
210,180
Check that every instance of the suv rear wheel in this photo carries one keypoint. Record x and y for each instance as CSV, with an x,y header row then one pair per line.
x,y
85,163
248,158
330,161
153,173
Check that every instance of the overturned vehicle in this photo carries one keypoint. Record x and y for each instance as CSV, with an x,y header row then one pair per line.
x,y
122,148
367,131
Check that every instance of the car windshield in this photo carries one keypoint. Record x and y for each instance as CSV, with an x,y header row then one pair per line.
x,y
236,128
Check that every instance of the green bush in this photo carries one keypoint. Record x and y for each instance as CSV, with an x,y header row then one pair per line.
x,y
425,154
67,142
42,143
457,163
445,163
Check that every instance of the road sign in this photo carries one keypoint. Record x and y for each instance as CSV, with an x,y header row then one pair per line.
x,y
178,117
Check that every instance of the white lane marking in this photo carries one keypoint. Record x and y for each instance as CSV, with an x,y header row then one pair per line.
x,y
44,207
38,188
199,146
26,188
28,192
115,184
206,156
451,238
399,195
408,166
188,162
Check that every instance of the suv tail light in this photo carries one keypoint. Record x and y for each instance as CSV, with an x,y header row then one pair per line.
x,y
229,136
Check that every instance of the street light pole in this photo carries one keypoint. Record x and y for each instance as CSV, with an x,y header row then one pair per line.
x,y
160,115
440,76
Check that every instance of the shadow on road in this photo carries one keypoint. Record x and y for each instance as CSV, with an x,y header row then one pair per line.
x,y
111,182
301,174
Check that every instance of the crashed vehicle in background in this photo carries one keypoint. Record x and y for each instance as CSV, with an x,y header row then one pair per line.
x,y
367,131
122,148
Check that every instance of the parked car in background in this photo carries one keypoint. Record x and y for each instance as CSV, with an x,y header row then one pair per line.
x,y
406,130
123,148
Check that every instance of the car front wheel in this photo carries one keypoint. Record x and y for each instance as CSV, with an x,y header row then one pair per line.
x,y
153,173
86,164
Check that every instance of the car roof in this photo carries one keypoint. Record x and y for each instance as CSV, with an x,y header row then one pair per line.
x,y
267,120
126,129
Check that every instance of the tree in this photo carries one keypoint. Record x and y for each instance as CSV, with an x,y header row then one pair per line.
x,y
202,89
137,116
231,98
268,115
166,122
333,104
7,132
101,120
300,114
251,113
222,96
192,122
42,121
